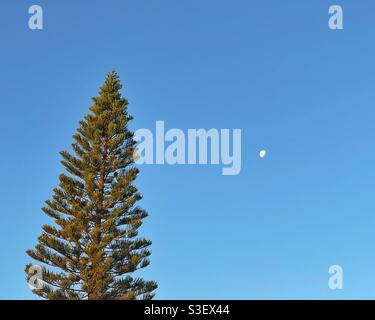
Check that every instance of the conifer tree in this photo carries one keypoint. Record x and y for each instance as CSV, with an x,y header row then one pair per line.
x,y
94,247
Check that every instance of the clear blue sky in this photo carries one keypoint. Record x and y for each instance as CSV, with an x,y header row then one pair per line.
x,y
304,93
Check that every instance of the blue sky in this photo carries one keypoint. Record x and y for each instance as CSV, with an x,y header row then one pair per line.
x,y
274,69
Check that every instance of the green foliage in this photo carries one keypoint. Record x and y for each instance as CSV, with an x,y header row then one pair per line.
x,y
94,248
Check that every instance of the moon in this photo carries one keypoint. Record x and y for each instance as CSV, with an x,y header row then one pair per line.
x,y
262,153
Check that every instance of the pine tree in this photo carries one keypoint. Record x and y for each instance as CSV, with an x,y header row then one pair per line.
x,y
94,248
